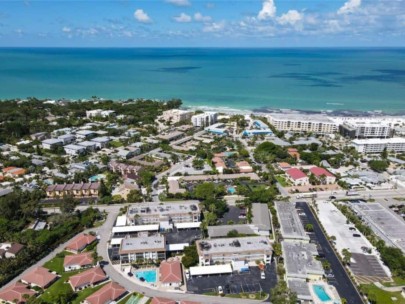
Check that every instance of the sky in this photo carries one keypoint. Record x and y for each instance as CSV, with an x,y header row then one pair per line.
x,y
202,23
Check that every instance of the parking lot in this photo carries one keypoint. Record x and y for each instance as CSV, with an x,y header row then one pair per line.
x,y
337,276
247,282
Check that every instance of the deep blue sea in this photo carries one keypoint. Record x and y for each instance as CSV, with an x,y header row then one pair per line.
x,y
306,79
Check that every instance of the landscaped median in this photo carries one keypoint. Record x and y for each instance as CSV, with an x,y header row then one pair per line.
x,y
249,296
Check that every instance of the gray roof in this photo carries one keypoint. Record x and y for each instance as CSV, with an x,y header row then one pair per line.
x,y
261,216
299,259
301,288
6,191
143,243
291,226
221,231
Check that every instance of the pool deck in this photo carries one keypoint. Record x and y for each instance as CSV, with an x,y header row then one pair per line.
x,y
329,289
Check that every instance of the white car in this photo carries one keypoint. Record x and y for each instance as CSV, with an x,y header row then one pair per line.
x,y
187,274
262,275
220,290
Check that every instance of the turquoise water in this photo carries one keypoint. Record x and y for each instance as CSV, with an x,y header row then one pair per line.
x,y
148,275
96,178
231,190
321,293
308,79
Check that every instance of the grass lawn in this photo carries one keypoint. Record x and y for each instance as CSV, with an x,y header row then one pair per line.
x,y
125,300
85,293
115,144
397,282
56,264
381,296
251,296
59,287
282,180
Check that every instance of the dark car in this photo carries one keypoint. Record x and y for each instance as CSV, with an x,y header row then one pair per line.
x,y
130,274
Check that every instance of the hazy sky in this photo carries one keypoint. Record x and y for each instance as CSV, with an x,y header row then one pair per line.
x,y
248,23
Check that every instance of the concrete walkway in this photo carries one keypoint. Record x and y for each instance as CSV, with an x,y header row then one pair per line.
x,y
389,289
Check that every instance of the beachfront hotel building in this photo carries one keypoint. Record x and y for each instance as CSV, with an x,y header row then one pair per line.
x,y
366,129
319,124
228,250
147,248
205,119
377,145
176,115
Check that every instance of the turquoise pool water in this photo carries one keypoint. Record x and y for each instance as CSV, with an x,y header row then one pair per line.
x,y
148,275
96,178
321,293
231,190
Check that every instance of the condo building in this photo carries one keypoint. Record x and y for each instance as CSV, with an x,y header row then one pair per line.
x,y
366,129
148,248
205,119
374,145
176,115
319,124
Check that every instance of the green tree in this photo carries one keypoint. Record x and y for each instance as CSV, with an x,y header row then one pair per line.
x,y
281,294
277,250
346,256
68,204
134,196
146,178
309,227
190,257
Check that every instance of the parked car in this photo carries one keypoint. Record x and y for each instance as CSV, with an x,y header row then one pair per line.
x,y
220,290
130,274
187,274
262,275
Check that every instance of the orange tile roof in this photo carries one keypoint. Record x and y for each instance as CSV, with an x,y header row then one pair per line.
x,y
40,276
170,271
81,259
80,242
108,293
16,292
159,300
5,170
88,277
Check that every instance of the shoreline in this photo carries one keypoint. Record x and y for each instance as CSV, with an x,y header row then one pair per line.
x,y
266,110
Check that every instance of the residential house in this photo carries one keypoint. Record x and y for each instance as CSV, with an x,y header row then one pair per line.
x,y
16,293
13,172
293,152
219,164
51,143
78,261
85,134
77,190
40,277
170,272
80,242
297,177
244,167
40,136
110,293
323,175
13,250
67,138
74,150
88,278
101,142
89,145
160,300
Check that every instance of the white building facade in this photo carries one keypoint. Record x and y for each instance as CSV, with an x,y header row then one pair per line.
x,y
396,144
205,119
318,124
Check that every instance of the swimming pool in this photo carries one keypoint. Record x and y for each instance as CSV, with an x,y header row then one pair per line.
x,y
231,190
321,293
148,275
97,177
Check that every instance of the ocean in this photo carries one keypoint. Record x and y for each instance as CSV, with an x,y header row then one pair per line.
x,y
248,79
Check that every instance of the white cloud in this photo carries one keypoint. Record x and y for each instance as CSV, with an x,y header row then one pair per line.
x,y
141,16
201,18
179,2
66,29
291,17
182,18
214,27
349,7
268,10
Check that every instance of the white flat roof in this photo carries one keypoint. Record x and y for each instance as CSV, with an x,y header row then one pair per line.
x,y
121,221
135,228
207,270
394,140
116,241
187,225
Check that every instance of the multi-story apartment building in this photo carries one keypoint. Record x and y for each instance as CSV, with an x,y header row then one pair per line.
x,y
149,248
319,124
123,169
77,190
166,215
366,129
374,145
205,119
177,115
227,250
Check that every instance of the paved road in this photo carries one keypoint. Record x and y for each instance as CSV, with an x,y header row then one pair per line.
x,y
342,282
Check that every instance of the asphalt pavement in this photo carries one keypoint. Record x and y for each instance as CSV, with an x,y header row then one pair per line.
x,y
341,280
